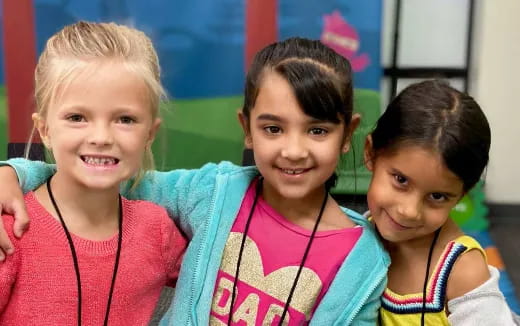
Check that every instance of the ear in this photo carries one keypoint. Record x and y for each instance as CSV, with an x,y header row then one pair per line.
x,y
153,131
41,125
352,126
368,154
244,122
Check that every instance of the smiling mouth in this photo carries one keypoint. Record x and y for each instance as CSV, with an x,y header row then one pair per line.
x,y
397,224
294,171
99,161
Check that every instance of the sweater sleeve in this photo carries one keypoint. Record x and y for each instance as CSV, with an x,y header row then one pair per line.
x,y
484,305
8,269
30,174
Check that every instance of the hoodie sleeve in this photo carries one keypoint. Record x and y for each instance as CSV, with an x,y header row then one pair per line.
x,y
179,191
31,174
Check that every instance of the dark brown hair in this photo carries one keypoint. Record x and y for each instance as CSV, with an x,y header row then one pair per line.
x,y
321,78
434,115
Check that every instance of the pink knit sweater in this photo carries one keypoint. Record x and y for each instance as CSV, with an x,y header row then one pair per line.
x,y
38,282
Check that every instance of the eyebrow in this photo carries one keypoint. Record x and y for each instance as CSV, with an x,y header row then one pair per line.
x,y
81,108
269,117
75,107
272,117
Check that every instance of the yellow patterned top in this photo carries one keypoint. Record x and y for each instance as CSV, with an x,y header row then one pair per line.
x,y
397,309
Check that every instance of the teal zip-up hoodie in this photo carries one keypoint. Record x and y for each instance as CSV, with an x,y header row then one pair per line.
x,y
204,203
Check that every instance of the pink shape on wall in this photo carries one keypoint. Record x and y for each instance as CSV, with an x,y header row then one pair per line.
x,y
343,38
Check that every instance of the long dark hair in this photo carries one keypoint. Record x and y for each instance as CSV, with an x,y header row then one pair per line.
x,y
436,116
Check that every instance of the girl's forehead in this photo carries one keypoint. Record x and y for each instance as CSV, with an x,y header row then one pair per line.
x,y
107,86
276,96
78,71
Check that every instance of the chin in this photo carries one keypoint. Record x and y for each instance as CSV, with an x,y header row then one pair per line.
x,y
100,185
394,238
294,194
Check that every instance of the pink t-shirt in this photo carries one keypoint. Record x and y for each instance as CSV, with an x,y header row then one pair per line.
x,y
272,255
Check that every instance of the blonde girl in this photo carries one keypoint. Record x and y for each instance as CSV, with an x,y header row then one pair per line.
x,y
90,256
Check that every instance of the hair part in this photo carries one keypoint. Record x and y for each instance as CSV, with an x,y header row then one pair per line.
x,y
321,79
433,115
77,48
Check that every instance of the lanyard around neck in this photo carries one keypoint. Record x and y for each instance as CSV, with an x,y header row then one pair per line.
x,y
302,264
75,257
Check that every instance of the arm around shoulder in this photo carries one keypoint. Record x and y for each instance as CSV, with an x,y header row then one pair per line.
x,y
30,174
179,191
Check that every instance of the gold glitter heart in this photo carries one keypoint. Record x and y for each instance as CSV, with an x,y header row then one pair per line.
x,y
278,283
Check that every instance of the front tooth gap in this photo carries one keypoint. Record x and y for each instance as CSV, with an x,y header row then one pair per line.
x,y
99,161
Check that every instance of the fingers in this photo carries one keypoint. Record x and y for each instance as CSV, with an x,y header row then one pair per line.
x,y
21,222
11,202
21,219
6,246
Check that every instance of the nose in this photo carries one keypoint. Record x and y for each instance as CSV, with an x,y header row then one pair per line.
x,y
410,207
100,135
295,148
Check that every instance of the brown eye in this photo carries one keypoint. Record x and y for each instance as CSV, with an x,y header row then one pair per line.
x,y
400,179
126,120
438,197
75,118
272,129
318,131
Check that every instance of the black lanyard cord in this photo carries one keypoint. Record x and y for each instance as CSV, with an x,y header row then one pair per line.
x,y
430,253
242,245
302,264
309,244
75,257
425,284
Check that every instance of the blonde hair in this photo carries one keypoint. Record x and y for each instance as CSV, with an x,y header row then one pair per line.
x,y
82,43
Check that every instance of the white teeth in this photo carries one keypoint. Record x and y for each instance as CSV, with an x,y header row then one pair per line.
x,y
298,171
99,160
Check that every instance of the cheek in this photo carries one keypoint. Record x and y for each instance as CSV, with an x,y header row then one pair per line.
x,y
136,146
62,141
261,157
375,187
263,149
138,136
439,217
371,200
444,214
379,194
329,153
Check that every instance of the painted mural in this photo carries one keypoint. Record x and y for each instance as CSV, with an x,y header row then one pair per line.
x,y
201,49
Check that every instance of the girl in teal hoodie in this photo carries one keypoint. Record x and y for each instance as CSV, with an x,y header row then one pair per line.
x,y
268,244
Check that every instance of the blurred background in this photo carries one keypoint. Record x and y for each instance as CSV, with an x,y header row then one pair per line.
x,y
205,47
